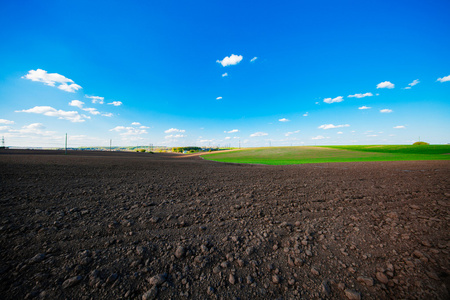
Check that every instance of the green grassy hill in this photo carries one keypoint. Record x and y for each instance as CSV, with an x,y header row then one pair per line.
x,y
322,154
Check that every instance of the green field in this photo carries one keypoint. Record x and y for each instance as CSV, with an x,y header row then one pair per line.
x,y
328,154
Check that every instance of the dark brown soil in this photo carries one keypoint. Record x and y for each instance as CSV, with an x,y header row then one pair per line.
x,y
108,225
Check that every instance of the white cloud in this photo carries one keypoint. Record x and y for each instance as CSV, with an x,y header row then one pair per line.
x,y
128,131
372,135
91,110
253,59
72,116
284,120
116,103
400,127
444,79
360,95
230,60
51,79
4,121
232,131
385,85
340,132
364,107
5,128
174,136
386,111
305,114
219,98
319,137
333,100
224,74
331,126
96,99
290,133
258,134
144,127
174,130
76,103
136,123
228,138
416,81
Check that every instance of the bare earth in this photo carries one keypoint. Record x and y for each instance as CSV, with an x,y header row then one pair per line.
x,y
100,225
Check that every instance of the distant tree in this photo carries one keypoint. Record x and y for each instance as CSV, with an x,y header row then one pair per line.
x,y
420,143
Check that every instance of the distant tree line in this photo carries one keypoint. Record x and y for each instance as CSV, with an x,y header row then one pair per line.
x,y
186,149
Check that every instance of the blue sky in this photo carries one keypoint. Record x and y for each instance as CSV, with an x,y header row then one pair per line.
x,y
180,73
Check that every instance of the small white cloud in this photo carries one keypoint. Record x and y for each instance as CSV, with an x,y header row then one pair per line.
x,y
386,111
407,88
333,100
364,107
283,120
72,116
224,74
227,138
144,127
258,134
174,130
232,131
96,99
174,136
4,121
116,103
360,95
136,123
400,127
92,110
253,59
51,79
305,114
128,131
219,98
107,114
319,137
340,132
77,103
444,79
331,126
230,60
385,85
372,135
416,81
291,133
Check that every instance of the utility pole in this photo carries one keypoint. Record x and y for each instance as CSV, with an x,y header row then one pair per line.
x,y
66,146
110,142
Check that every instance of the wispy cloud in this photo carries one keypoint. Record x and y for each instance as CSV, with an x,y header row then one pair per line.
x,y
224,74
116,103
331,126
219,98
136,123
399,127
283,120
305,114
386,111
128,131
319,137
174,136
4,121
256,134
253,59
364,107
360,95
174,130
91,110
72,116
291,133
232,131
333,100
230,60
52,79
385,85
96,99
416,81
339,132
444,79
